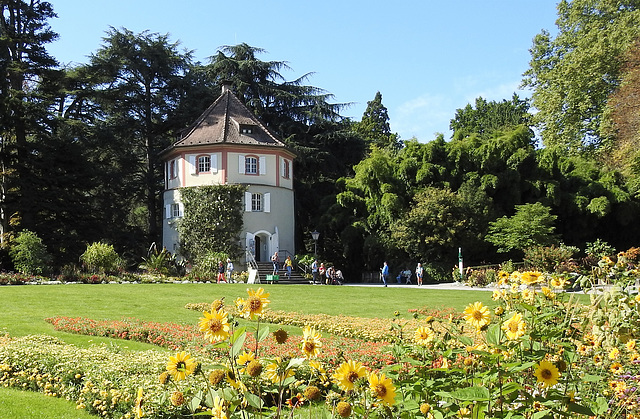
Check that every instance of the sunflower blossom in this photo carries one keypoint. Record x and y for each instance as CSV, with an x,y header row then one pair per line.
x,y
277,371
530,278
514,327
348,373
382,388
139,401
477,315
252,307
218,411
311,342
547,373
181,365
423,335
215,325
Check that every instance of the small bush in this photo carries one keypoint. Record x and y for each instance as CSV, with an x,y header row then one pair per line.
x,y
101,258
549,258
29,254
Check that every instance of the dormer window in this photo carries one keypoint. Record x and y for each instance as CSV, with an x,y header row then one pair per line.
x,y
247,129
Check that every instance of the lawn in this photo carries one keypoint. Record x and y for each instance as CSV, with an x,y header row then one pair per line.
x,y
26,307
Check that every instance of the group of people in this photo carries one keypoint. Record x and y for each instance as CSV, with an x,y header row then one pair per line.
x,y
288,264
327,276
224,273
406,274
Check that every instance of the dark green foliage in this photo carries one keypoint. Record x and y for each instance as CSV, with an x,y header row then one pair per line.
x,y
549,258
212,220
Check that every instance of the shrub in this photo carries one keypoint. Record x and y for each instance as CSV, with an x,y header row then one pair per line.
x,y
29,254
101,258
549,258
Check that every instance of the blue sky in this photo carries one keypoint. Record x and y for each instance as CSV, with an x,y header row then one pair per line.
x,y
427,57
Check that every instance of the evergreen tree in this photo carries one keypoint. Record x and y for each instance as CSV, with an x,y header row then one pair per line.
x,y
374,126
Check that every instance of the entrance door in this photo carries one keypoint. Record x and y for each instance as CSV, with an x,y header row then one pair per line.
x,y
258,248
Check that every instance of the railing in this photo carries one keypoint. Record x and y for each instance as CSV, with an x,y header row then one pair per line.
x,y
252,264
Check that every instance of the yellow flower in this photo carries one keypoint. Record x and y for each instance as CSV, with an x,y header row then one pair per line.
x,y
614,353
246,357
547,373
597,359
423,335
218,411
514,327
277,371
255,303
477,315
464,412
546,291
348,373
425,408
181,365
254,368
382,388
528,295
503,277
631,345
215,325
139,402
515,276
558,282
310,342
530,277
217,304
616,368
634,357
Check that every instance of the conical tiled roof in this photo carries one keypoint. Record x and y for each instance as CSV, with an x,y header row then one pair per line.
x,y
228,121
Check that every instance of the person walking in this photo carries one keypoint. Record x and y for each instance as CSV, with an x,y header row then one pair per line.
x,y
288,264
419,273
385,273
221,272
276,263
314,270
229,270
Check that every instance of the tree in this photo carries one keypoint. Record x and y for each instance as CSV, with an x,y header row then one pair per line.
x,y
25,65
489,117
531,225
622,122
212,220
138,86
573,74
374,126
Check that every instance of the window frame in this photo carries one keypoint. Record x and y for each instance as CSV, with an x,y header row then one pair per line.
x,y
257,202
248,165
200,161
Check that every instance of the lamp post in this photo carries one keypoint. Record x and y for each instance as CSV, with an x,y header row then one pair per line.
x,y
315,236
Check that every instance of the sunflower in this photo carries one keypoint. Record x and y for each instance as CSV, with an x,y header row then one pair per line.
x,y
477,315
528,295
634,357
631,345
348,373
616,368
181,365
597,359
503,277
547,373
254,304
311,342
558,282
614,353
343,409
281,336
548,293
514,327
530,277
245,357
215,325
382,388
218,411
139,402
423,335
277,371
296,401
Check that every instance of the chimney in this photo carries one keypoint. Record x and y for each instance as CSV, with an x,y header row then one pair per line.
x,y
226,85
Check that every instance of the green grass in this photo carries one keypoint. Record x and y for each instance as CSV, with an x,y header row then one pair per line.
x,y
25,307
29,405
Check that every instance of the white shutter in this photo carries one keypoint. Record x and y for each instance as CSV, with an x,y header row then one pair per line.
x,y
214,163
282,163
247,201
181,209
167,211
175,167
263,165
192,162
267,202
241,164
